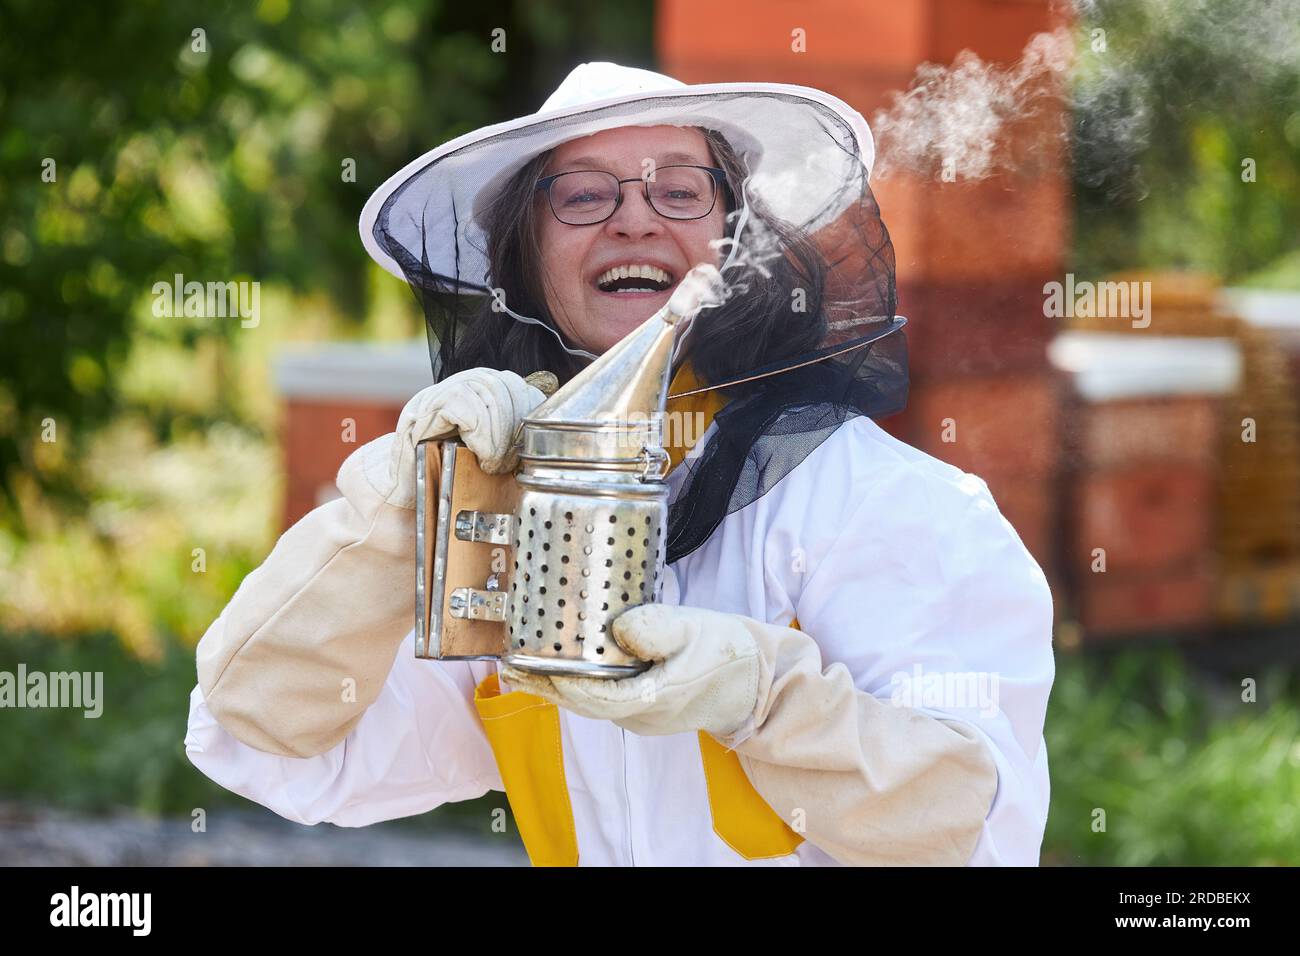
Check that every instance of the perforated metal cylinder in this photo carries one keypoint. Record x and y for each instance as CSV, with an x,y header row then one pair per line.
x,y
585,551
590,525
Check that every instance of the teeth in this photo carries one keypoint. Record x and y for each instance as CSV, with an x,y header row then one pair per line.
x,y
635,271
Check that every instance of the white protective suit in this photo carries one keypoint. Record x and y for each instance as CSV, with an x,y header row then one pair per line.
x,y
914,588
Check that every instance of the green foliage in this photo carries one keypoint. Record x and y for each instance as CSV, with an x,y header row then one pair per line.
x,y
1168,116
169,533
223,163
1284,273
133,755
1187,773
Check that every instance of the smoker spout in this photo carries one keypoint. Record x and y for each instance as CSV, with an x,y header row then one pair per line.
x,y
630,380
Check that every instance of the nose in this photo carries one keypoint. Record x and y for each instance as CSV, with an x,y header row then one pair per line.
x,y
634,218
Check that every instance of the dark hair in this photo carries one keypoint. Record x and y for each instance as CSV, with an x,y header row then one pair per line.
x,y
758,325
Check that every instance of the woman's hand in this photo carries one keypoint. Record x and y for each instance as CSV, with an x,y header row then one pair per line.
x,y
483,405
705,675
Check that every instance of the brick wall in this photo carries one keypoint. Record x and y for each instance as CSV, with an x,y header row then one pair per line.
x,y
318,435
972,256
1142,429
1142,499
337,398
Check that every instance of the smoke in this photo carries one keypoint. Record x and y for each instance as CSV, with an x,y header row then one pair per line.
x,y
1256,38
1095,85
950,124
749,252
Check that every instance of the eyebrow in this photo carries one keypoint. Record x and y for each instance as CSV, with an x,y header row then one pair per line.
x,y
665,159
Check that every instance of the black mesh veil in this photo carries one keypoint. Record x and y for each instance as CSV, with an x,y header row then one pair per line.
x,y
806,338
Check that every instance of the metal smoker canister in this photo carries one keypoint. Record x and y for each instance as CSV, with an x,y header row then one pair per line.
x,y
591,522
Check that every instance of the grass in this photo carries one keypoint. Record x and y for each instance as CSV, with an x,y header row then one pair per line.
x,y
132,757
1185,770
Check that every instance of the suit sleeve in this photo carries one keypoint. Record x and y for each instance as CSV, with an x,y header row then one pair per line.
x,y
418,746
306,642
902,723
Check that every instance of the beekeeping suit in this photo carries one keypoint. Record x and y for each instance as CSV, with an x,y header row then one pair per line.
x,y
851,654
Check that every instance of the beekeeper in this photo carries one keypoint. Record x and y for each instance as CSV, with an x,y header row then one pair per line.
x,y
852,652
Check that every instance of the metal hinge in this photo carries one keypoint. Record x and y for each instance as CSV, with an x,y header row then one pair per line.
x,y
478,605
486,526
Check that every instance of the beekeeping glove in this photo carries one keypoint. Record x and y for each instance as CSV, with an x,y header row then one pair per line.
x,y
704,677
306,642
482,405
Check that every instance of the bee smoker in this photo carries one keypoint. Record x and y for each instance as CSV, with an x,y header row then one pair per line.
x,y
578,532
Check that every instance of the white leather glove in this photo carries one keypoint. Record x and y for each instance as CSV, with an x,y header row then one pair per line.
x,y
484,405
705,675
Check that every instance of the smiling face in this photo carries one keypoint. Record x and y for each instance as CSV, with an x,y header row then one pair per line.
x,y
588,270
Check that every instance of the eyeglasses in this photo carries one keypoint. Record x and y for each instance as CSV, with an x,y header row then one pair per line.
x,y
588,196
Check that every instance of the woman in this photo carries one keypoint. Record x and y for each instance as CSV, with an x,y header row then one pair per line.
x,y
852,651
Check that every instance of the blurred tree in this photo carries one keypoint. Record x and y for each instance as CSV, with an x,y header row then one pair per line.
x,y
140,140
1187,135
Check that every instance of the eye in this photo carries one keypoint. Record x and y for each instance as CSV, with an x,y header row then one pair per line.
x,y
582,189
682,188
586,196
676,189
